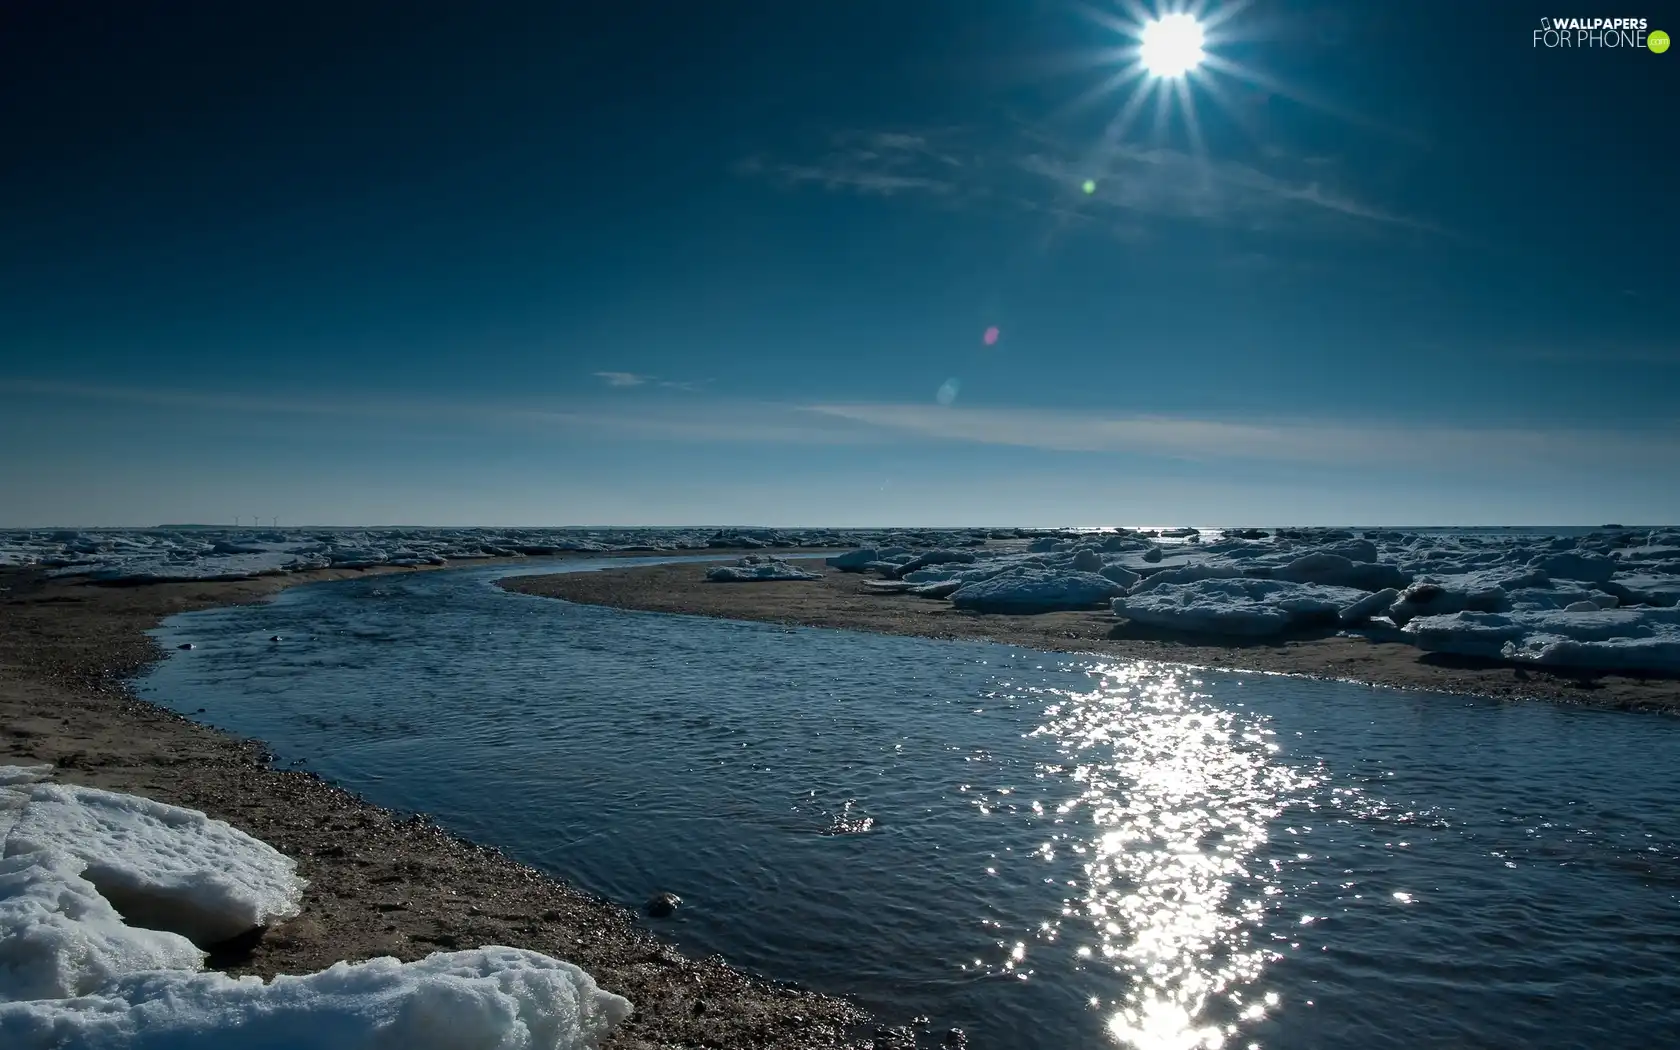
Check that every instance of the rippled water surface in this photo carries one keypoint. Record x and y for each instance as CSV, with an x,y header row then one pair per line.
x,y
1048,851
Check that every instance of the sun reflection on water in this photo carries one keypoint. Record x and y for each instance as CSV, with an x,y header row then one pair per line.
x,y
1173,799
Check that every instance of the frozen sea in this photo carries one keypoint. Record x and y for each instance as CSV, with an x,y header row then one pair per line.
x,y
1045,850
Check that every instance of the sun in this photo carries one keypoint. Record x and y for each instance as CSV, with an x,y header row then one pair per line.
x,y
1169,53
1172,45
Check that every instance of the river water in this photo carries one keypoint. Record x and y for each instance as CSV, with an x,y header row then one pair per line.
x,y
1046,850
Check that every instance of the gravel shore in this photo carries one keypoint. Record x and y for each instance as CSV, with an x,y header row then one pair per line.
x,y
839,600
379,883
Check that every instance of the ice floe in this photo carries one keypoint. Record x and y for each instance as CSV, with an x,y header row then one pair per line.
x,y
1035,592
1246,607
1517,595
756,568
102,896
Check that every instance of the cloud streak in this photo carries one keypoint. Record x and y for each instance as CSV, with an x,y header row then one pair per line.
x,y
683,419
1327,443
1323,443
622,378
632,379
1032,171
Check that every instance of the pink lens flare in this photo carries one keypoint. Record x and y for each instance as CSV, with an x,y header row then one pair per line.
x,y
991,336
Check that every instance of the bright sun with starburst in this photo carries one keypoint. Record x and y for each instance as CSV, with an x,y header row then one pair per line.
x,y
1171,46
1165,52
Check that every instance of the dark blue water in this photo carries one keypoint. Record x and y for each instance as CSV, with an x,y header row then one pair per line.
x,y
1046,850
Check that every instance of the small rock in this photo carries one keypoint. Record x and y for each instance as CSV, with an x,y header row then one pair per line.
x,y
955,1039
185,645
661,905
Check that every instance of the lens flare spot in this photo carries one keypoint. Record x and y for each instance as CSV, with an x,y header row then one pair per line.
x,y
948,391
1089,186
990,336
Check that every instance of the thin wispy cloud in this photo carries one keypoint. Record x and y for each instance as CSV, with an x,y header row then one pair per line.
x,y
623,378
1031,170
1368,444
1328,443
656,419
215,401
630,379
878,164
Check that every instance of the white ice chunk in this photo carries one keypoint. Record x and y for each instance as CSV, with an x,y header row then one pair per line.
x,y
1658,653
1121,575
854,561
162,866
754,568
1464,633
1375,604
1571,565
1338,571
1484,590
1187,574
1248,607
486,999
1035,592
1645,588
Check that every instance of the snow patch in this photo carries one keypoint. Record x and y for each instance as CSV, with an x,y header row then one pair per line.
x,y
162,866
491,998
75,975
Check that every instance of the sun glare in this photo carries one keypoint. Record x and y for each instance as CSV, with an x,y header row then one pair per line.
x,y
1172,45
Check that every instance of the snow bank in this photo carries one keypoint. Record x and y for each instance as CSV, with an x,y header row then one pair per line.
x,y
162,866
756,568
1245,607
485,999
75,975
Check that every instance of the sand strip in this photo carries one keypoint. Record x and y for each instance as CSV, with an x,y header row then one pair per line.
x,y
379,884
839,600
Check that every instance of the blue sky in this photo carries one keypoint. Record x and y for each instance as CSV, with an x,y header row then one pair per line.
x,y
425,263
